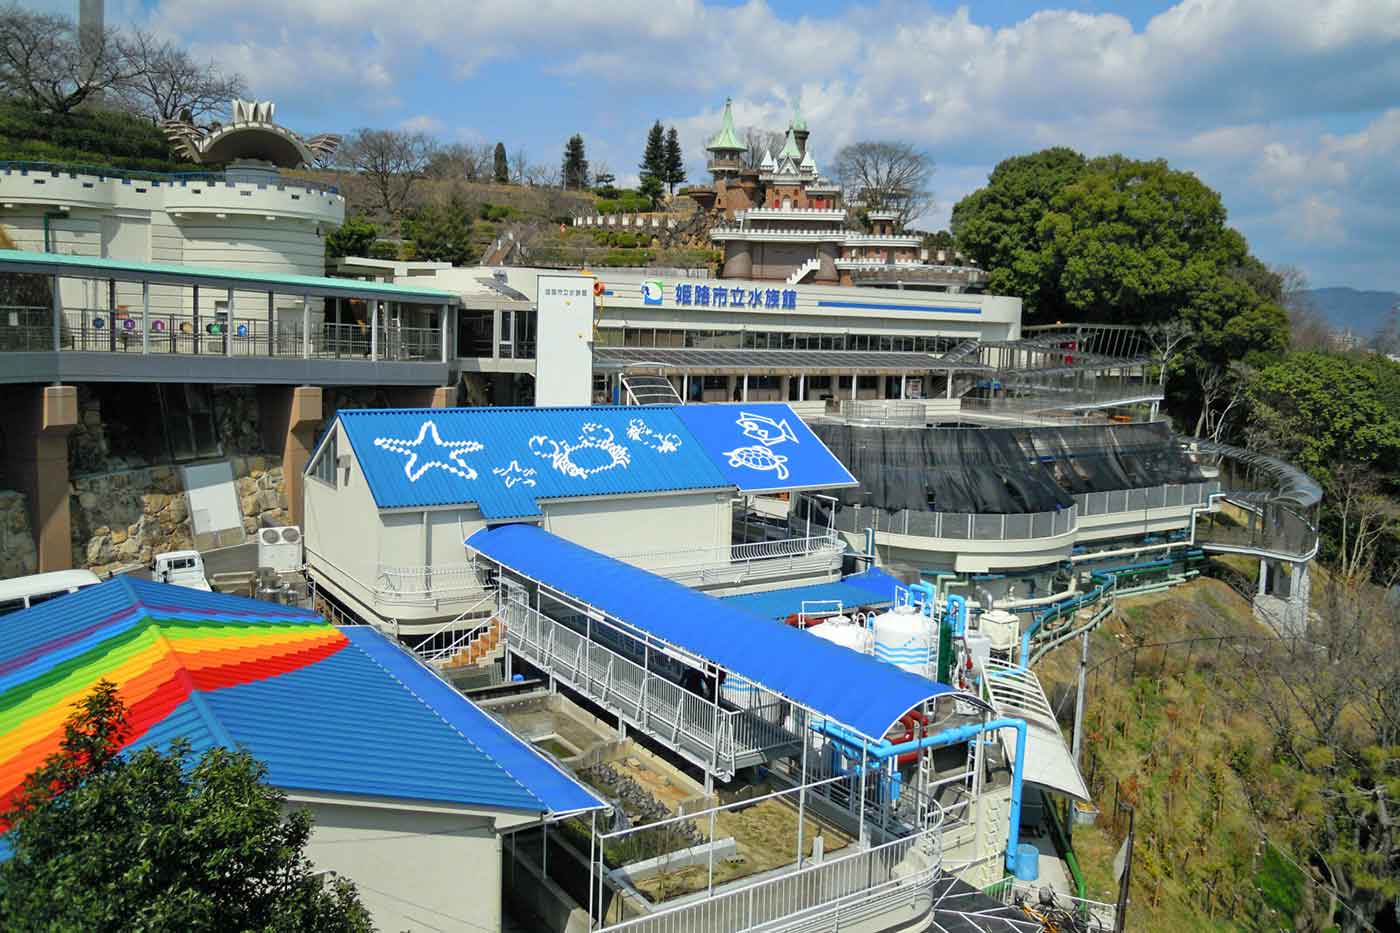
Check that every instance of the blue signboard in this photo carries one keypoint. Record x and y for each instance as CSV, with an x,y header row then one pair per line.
x,y
764,447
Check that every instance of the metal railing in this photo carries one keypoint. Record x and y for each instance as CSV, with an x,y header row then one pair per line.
x,y
717,739
427,586
959,526
908,413
717,561
103,330
884,880
451,638
1172,495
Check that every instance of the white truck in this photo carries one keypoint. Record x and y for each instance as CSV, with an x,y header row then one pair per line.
x,y
182,568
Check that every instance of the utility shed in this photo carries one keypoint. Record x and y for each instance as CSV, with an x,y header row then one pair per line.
x,y
411,786
391,494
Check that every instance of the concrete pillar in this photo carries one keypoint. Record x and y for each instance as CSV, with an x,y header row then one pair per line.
x,y
290,416
443,397
802,387
746,387
36,426
1263,575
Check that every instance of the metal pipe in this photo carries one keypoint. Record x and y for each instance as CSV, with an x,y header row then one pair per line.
x,y
860,744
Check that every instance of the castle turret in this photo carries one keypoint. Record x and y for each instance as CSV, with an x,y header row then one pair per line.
x,y
798,126
725,149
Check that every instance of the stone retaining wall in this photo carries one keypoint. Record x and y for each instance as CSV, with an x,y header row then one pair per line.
x,y
17,554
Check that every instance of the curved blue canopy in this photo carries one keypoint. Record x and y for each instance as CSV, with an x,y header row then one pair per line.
x,y
854,689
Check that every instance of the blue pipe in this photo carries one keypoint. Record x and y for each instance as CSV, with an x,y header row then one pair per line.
x,y
957,614
859,745
928,592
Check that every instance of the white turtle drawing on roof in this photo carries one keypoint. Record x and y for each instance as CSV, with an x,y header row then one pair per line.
x,y
758,457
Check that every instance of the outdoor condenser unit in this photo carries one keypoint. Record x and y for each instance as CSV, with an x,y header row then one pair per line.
x,y
280,548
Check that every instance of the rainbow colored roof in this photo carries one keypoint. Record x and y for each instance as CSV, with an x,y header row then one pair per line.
x,y
328,710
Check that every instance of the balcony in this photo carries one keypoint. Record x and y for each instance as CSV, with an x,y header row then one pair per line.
x,y
752,562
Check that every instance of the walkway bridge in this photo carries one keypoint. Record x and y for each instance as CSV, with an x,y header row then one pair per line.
x,y
715,684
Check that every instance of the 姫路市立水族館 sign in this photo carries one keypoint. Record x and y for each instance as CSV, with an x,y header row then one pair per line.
x,y
697,295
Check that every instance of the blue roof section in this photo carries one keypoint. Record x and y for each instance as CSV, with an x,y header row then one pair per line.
x,y
875,581
556,788
780,604
854,689
764,447
365,719
505,459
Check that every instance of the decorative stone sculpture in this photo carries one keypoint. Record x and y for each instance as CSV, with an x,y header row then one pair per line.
x,y
251,137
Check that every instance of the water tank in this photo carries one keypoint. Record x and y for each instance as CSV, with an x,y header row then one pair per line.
x,y
906,638
980,647
842,631
1002,628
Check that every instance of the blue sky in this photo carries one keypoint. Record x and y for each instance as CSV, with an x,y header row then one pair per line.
x,y
1290,108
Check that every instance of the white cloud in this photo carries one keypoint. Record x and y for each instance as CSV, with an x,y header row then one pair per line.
x,y
1250,94
423,123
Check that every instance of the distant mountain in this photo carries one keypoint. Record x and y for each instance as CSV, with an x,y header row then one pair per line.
x,y
1363,313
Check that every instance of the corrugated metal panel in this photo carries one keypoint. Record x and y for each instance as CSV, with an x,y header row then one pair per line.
x,y
326,710
779,604
764,447
858,691
506,459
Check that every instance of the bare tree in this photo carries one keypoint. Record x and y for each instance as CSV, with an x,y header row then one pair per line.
x,y
884,175
1308,329
471,162
1364,517
519,166
46,62
392,161
542,175
1222,397
1167,339
757,142
168,83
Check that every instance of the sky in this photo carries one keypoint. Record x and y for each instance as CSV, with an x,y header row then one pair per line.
x,y
1289,108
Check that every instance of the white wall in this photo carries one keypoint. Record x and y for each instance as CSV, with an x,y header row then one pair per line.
x,y
564,340
343,529
414,871
621,526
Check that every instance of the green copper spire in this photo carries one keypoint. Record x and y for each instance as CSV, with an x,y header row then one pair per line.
x,y
798,124
726,140
790,150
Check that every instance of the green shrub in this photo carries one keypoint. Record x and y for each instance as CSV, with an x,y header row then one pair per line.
x,y
92,138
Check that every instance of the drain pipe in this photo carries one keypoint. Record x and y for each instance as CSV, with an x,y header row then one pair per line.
x,y
48,235
952,736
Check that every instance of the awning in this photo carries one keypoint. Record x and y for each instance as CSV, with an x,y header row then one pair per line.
x,y
701,358
1017,693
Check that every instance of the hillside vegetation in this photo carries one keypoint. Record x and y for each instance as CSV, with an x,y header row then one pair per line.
x,y
98,138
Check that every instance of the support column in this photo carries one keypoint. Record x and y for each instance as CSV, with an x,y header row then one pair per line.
x,y
228,326
445,321
746,387
855,384
306,327
802,387
1263,575
374,330
290,416
443,397
36,428
145,317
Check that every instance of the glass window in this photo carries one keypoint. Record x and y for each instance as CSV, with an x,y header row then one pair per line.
x,y
325,466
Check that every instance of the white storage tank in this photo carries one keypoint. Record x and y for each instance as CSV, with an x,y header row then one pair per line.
x,y
906,638
842,631
1002,628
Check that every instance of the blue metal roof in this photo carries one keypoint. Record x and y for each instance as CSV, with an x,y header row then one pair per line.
x,y
505,459
764,447
780,604
351,713
854,689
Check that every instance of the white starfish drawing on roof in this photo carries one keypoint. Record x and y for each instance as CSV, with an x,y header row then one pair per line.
x,y
455,453
515,473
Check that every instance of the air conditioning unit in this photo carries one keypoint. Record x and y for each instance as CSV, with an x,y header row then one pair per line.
x,y
280,549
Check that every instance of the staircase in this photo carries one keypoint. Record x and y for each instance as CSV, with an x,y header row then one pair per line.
x,y
804,270
483,647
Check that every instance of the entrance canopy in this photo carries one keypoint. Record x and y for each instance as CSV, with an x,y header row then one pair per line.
x,y
853,689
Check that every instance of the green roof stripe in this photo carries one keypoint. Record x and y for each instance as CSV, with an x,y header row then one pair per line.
x,y
93,267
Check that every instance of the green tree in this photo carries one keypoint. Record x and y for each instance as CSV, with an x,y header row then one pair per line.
x,y
157,840
442,232
675,161
500,168
998,227
355,237
654,157
652,189
575,168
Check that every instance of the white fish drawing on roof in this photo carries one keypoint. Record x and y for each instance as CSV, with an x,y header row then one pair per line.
x,y
425,453
643,433
592,437
758,457
765,430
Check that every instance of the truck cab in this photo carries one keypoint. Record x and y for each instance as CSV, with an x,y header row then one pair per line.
x,y
181,568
